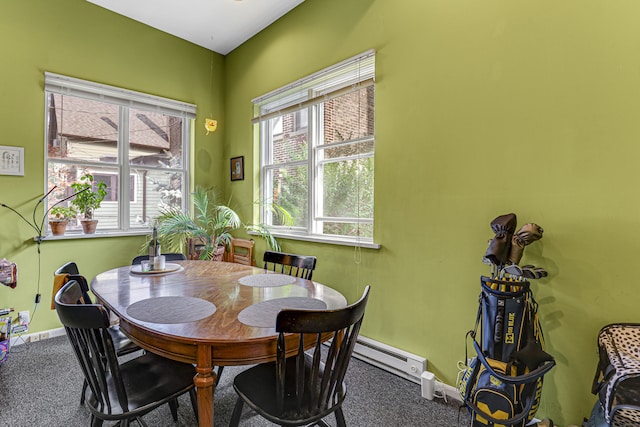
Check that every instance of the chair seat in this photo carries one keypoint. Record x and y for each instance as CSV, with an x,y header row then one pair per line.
x,y
147,379
257,387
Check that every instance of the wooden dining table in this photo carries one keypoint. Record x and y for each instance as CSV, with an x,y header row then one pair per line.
x,y
207,313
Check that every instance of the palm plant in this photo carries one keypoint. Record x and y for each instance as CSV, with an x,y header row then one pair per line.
x,y
212,224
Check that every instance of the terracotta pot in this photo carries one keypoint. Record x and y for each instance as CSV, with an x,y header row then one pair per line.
x,y
58,227
89,225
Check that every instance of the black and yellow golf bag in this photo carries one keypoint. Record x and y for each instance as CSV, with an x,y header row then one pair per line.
x,y
502,384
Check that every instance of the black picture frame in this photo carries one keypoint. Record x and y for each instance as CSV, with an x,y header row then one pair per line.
x,y
237,168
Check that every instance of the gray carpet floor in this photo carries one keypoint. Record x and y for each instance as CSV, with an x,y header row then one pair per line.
x,y
40,385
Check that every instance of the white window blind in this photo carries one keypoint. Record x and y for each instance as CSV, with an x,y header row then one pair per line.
x,y
65,85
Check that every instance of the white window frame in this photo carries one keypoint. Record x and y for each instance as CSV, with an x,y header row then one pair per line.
x,y
126,100
309,93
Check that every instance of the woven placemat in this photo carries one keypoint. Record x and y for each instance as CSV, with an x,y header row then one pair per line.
x,y
171,309
263,314
266,280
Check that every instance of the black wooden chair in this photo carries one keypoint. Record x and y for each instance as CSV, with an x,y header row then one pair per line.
x,y
291,264
122,344
118,392
305,388
167,257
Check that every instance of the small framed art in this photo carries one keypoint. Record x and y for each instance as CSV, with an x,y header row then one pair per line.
x,y
237,168
11,160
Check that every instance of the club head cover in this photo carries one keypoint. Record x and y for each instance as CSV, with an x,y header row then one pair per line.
x,y
527,234
498,250
513,270
533,272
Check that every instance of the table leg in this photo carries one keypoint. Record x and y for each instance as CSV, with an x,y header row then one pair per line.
x,y
205,383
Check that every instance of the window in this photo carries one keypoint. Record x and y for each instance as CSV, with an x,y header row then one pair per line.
x,y
317,153
135,143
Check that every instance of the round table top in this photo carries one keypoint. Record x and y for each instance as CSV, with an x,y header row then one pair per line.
x,y
218,303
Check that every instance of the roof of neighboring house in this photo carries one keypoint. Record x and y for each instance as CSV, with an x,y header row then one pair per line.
x,y
92,121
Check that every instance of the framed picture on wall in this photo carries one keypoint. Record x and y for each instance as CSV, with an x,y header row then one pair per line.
x,y
237,168
11,160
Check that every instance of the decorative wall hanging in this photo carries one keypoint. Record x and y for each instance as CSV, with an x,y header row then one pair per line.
x,y
210,125
237,168
11,160
8,273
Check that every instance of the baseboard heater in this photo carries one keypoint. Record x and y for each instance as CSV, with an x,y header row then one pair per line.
x,y
391,359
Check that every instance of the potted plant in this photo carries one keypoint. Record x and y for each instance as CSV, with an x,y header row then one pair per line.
x,y
210,227
88,199
59,217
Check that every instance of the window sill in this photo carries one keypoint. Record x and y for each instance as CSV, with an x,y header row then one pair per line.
x,y
71,235
332,240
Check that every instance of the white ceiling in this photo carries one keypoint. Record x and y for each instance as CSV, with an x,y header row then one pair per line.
x,y
218,25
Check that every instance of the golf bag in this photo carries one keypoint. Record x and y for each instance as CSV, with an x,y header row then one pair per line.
x,y
617,378
502,385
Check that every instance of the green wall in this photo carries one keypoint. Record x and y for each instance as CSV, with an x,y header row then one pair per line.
x,y
482,108
79,39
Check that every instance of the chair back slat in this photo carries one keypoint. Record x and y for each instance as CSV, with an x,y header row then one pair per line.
x,y
167,257
319,376
291,264
241,251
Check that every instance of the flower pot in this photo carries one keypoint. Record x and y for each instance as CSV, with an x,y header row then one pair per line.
x,y
58,227
89,225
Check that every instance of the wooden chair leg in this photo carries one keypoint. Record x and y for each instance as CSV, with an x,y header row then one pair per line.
x,y
218,375
173,405
340,418
237,412
85,384
194,402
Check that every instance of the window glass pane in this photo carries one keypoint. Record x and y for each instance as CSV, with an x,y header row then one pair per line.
x,y
350,116
62,175
348,229
348,189
289,145
346,150
144,169
290,190
155,139
82,130
153,190
317,146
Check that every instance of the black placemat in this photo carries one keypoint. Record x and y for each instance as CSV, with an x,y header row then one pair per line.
x,y
171,309
263,314
266,280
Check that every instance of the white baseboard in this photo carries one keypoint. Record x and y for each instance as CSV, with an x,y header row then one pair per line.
x,y
36,336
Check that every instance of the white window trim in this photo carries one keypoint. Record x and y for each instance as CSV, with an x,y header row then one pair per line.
x,y
65,85
285,100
